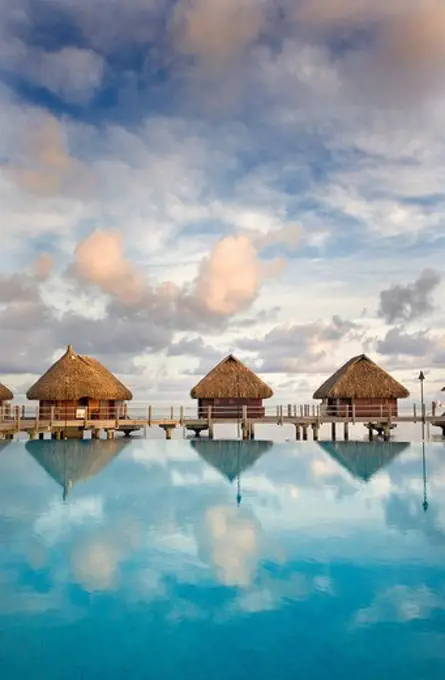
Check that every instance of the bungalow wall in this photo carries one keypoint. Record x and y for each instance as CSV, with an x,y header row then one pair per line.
x,y
372,408
231,408
70,409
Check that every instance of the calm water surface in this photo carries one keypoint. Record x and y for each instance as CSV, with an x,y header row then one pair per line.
x,y
185,559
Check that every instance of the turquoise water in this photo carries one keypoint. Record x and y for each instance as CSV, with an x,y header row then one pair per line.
x,y
154,559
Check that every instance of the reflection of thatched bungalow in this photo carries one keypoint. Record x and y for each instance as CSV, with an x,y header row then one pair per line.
x,y
231,458
69,462
364,459
75,383
5,396
364,385
228,387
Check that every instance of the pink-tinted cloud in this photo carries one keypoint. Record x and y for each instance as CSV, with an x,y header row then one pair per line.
x,y
45,167
100,260
230,278
217,30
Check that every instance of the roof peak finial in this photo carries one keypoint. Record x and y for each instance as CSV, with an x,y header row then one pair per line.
x,y
70,350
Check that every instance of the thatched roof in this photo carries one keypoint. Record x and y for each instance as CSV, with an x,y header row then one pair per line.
x,y
75,376
231,379
361,378
72,461
230,458
364,459
5,394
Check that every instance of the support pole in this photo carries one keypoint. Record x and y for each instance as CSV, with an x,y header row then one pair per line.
x,y
315,432
297,432
305,433
346,432
333,432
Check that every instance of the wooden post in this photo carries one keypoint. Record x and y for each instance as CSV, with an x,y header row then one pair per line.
x,y
117,417
346,431
305,433
17,418
181,416
315,432
370,432
297,433
252,431
125,410
381,411
52,416
245,423
353,413
333,432
150,413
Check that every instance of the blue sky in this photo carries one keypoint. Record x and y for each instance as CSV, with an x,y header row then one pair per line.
x,y
218,174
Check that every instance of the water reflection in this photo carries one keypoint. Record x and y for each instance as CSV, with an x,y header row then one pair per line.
x,y
231,458
154,548
363,460
69,462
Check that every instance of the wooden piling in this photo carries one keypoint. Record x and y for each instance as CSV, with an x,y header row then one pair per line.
x,y
305,433
297,432
315,432
333,431
346,432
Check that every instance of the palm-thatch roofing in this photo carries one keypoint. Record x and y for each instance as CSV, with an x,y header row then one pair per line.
x,y
5,394
361,378
364,459
230,458
233,380
72,461
74,377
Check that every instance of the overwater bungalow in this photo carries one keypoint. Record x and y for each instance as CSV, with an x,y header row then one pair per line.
x,y
228,387
362,387
363,460
70,462
5,397
76,386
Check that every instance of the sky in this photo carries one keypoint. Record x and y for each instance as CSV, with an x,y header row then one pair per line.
x,y
181,180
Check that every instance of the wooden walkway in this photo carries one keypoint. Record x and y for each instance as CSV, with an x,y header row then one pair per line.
x,y
307,419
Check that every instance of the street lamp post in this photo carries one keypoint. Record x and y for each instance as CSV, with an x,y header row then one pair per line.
x,y
422,402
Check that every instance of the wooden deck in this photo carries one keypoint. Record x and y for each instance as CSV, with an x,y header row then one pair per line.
x,y
306,419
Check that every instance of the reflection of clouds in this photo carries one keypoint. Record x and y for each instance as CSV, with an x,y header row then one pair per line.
x,y
229,539
96,559
274,592
60,518
95,563
399,604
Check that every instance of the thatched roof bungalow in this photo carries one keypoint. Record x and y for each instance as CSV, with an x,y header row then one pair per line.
x,y
75,383
363,460
364,385
228,387
70,462
5,395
